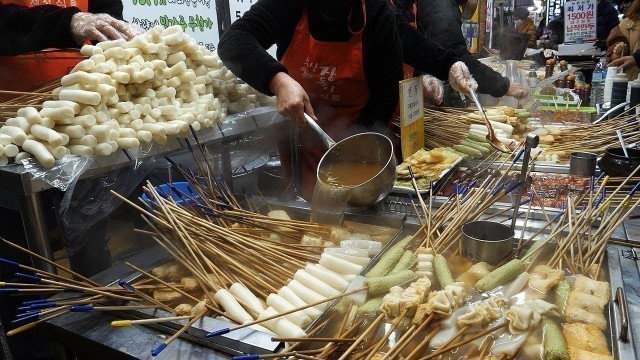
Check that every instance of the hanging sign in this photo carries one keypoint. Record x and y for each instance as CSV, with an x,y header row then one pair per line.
x,y
197,17
579,20
411,116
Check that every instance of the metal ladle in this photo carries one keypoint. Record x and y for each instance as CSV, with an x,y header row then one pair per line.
x,y
326,139
368,147
491,136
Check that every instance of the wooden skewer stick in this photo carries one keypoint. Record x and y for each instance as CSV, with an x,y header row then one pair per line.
x,y
466,341
280,355
58,266
125,323
186,327
371,327
33,324
404,341
312,332
28,93
183,293
423,343
382,341
296,354
228,330
129,287
330,348
312,339
75,287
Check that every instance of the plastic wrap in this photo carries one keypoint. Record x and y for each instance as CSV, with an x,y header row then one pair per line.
x,y
63,175
90,201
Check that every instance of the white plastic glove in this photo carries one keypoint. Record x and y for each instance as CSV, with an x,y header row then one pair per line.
x,y
460,78
100,27
433,89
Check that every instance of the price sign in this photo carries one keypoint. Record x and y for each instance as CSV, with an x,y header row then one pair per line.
x,y
411,116
237,8
197,17
579,20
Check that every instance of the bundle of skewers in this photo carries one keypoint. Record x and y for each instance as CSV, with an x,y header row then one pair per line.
x,y
595,138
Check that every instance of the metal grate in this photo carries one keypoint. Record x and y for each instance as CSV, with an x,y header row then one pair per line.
x,y
400,204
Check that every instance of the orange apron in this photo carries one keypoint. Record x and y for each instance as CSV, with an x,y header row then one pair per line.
x,y
30,71
332,74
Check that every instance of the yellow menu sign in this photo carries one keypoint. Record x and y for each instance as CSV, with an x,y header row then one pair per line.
x,y
411,116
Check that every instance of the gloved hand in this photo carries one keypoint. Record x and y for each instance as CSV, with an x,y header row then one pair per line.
x,y
100,27
460,78
433,89
517,91
293,100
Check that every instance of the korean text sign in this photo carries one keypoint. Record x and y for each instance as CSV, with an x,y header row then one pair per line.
x,y
411,116
579,20
197,17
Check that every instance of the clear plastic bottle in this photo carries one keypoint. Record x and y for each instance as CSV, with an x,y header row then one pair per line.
x,y
532,78
597,82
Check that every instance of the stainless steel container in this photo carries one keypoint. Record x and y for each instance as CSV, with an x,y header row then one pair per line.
x,y
582,163
486,241
372,148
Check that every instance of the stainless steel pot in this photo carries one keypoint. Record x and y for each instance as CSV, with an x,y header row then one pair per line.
x,y
372,148
369,147
486,241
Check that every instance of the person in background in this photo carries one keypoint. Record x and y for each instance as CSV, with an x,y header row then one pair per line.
x,y
28,29
339,61
607,20
623,43
556,27
441,21
524,25
425,56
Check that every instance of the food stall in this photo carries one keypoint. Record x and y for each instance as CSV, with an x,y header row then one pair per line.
x,y
519,253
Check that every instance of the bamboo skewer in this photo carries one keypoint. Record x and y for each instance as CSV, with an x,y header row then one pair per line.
x,y
464,342
382,341
311,339
369,329
58,266
186,327
126,323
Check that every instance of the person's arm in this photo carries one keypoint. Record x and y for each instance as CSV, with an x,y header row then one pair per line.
x,y
111,7
382,61
441,22
243,45
26,29
489,81
424,54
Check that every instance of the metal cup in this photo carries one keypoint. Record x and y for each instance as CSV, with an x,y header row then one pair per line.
x,y
583,163
486,241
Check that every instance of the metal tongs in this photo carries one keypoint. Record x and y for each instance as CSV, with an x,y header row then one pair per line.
x,y
491,137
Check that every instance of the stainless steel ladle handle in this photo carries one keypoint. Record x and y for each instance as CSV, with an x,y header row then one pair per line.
x,y
328,141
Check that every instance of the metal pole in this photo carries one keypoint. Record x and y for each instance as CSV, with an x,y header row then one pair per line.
x,y
35,230
530,143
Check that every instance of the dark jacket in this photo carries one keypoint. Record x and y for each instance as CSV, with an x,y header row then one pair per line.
x,y
242,48
419,51
25,30
441,21
607,19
